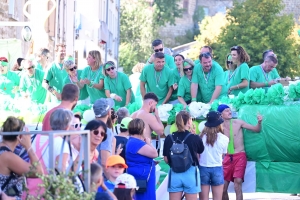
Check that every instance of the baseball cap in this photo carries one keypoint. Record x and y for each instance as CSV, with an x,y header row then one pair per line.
x,y
114,160
214,119
125,121
102,106
3,59
125,181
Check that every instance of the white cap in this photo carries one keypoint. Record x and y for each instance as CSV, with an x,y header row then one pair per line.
x,y
125,181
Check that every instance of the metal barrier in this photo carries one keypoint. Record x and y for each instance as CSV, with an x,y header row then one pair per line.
x,y
84,154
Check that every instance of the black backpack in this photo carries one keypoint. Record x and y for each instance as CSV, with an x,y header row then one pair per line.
x,y
180,155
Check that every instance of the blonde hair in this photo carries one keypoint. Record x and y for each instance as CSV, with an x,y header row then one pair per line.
x,y
97,56
182,119
211,134
138,68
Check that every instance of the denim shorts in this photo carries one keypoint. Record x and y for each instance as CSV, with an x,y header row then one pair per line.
x,y
185,181
212,176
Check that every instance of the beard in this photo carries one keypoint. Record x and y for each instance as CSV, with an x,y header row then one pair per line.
x,y
73,106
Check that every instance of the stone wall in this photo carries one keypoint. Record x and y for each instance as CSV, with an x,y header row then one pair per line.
x,y
292,7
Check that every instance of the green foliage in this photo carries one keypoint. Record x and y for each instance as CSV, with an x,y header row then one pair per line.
x,y
139,27
60,187
166,11
257,25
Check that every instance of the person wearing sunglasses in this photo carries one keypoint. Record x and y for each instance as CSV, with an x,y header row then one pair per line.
x,y
93,77
230,70
43,59
208,76
9,80
31,83
157,78
184,87
239,81
204,49
74,78
117,85
98,135
75,139
54,76
178,73
158,46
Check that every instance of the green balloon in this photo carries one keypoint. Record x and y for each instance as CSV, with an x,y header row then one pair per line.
x,y
173,128
196,124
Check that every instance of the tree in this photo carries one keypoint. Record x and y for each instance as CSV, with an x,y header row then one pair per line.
x,y
210,29
140,21
258,25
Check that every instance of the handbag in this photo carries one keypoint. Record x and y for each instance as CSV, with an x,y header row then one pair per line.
x,y
142,184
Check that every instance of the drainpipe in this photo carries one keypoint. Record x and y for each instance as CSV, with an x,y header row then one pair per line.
x,y
118,36
107,2
56,22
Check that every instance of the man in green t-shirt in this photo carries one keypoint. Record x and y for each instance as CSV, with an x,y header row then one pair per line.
x,y
43,57
158,46
9,81
55,75
157,78
31,83
204,49
209,76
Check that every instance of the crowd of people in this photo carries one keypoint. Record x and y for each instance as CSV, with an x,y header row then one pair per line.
x,y
121,141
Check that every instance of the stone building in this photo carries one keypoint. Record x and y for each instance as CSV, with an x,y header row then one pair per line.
x,y
210,8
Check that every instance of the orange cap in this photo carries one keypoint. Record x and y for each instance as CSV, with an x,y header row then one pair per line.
x,y
114,160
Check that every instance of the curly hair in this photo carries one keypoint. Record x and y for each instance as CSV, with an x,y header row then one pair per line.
x,y
244,57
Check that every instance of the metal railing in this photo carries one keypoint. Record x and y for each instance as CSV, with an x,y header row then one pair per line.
x,y
84,153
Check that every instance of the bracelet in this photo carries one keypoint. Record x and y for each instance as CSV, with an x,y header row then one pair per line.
x,y
112,95
50,89
238,87
194,99
267,84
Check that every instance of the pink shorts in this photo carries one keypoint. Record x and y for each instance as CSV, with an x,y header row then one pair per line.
x,y
234,166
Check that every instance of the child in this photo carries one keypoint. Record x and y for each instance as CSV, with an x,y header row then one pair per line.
x,y
125,187
97,181
115,166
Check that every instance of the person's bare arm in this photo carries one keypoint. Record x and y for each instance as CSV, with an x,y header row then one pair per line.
x,y
182,101
142,88
65,158
250,127
128,96
241,85
148,150
260,85
194,90
216,93
46,85
169,94
113,146
155,123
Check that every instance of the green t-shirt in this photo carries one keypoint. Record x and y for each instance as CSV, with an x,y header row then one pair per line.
x,y
184,90
39,66
95,77
240,73
258,75
196,62
157,82
208,81
169,62
83,92
33,86
177,77
119,86
8,82
55,75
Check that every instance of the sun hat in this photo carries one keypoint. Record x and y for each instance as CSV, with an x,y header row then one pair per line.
x,y
125,181
214,119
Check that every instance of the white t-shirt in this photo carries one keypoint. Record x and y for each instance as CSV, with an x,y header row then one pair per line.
x,y
58,142
212,156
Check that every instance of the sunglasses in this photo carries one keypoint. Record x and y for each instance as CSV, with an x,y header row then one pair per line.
x,y
96,132
229,62
111,68
77,125
72,69
205,55
235,48
158,50
187,69
30,67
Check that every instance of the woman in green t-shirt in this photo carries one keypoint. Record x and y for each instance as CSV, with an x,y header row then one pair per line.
x,y
177,73
239,80
184,87
230,66
117,85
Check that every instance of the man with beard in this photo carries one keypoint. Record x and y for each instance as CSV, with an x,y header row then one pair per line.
x,y
149,114
55,75
209,76
157,78
69,98
235,161
31,83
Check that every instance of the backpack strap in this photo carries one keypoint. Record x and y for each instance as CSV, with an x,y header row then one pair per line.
x,y
186,137
4,148
171,136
